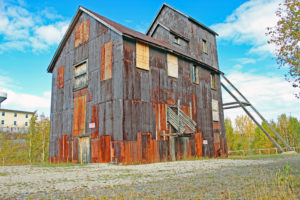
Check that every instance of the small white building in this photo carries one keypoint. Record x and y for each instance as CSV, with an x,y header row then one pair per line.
x,y
14,120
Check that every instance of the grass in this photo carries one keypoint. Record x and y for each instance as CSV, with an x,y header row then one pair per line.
x,y
58,165
258,156
3,173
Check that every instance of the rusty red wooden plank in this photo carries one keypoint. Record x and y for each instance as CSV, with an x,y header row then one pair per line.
x,y
95,120
95,150
198,144
60,77
106,149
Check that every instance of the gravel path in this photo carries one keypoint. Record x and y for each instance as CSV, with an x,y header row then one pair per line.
x,y
168,180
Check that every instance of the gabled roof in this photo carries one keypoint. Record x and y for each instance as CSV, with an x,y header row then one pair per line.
x,y
123,31
190,18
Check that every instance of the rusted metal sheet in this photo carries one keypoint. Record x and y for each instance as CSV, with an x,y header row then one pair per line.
x,y
198,144
129,108
79,116
60,77
105,149
95,150
95,120
117,152
82,33
106,60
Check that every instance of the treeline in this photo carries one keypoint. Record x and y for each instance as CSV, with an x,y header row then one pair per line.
x,y
32,147
244,134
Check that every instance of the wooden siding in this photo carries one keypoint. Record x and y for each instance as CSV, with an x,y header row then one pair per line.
x,y
107,95
122,110
188,29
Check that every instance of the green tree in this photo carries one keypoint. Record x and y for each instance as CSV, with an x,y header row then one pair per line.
x,y
231,137
286,36
294,129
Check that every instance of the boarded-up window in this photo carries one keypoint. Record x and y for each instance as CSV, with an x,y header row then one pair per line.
x,y
172,66
195,74
204,46
82,33
80,76
106,60
215,110
60,77
142,56
79,116
213,84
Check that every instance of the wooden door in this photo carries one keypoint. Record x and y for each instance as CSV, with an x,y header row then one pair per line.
x,y
84,150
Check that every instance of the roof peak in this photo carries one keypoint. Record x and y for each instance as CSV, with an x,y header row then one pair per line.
x,y
185,15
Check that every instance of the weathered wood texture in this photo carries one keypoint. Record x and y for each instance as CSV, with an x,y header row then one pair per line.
x,y
103,99
123,108
182,25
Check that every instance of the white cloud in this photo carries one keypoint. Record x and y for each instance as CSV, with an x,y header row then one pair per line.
x,y
244,61
23,101
271,95
27,102
248,24
22,30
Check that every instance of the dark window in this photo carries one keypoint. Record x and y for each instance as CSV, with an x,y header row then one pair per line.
x,y
15,115
204,46
195,74
177,40
80,76
26,123
213,81
26,116
3,113
15,122
2,121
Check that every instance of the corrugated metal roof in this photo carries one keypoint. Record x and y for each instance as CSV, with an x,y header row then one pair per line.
x,y
122,30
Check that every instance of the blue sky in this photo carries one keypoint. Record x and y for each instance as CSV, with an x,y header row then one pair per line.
x,y
30,32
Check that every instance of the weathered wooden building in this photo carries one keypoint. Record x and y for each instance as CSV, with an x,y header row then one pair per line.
x,y
122,96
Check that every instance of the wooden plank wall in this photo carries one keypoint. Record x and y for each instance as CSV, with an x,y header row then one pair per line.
x,y
147,93
182,25
129,109
104,104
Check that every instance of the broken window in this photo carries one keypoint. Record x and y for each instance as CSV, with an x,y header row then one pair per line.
x,y
80,76
106,61
213,84
195,74
142,56
204,46
172,65
60,77
177,40
215,110
82,33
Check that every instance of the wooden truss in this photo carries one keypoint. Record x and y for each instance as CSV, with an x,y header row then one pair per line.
x,y
246,103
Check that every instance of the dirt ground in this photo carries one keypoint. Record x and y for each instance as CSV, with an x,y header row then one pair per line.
x,y
196,179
